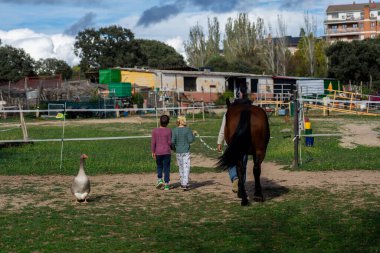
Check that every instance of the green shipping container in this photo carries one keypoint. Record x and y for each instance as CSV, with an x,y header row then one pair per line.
x,y
120,89
107,76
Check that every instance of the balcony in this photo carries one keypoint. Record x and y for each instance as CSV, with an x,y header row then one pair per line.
x,y
343,21
345,31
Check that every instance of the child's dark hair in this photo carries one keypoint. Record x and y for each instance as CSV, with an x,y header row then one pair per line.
x,y
164,120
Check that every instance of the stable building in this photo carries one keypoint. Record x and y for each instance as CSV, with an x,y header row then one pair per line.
x,y
198,85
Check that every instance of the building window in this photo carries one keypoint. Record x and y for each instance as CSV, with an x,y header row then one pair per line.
x,y
190,83
354,25
378,13
361,25
344,26
373,36
335,15
254,83
372,24
334,27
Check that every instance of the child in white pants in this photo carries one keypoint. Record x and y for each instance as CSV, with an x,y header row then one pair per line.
x,y
183,160
181,138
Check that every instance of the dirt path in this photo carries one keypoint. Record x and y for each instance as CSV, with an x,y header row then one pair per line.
x,y
132,119
20,191
361,134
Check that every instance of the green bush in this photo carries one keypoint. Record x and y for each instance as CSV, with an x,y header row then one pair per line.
x,y
138,99
222,97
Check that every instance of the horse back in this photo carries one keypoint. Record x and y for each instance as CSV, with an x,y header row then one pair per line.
x,y
258,124
260,132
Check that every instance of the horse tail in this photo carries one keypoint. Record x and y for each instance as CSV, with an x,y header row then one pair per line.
x,y
239,143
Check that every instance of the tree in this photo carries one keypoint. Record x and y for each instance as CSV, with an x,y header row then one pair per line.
x,y
240,38
219,63
267,46
320,58
355,61
52,66
273,51
77,73
244,67
240,45
213,40
160,55
309,40
198,49
195,47
281,46
108,47
15,64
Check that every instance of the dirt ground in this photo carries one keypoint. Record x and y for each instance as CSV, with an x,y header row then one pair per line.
x,y
51,190
361,134
273,177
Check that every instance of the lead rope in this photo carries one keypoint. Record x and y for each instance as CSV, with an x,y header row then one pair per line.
x,y
204,143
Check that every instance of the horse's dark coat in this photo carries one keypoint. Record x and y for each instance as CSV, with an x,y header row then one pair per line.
x,y
246,133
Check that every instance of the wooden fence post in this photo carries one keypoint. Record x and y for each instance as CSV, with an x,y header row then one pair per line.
x,y
23,125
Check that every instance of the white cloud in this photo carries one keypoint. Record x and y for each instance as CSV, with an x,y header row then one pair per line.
x,y
177,44
173,31
40,45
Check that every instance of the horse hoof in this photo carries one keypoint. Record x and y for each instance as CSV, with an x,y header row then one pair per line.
x,y
258,198
244,202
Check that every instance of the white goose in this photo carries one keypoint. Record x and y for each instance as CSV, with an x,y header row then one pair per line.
x,y
81,184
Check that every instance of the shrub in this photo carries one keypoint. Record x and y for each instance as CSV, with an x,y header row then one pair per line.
x,y
222,98
138,99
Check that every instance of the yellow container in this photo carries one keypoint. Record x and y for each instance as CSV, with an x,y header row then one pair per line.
x,y
307,125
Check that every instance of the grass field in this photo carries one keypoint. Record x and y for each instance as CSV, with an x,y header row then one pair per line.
x,y
37,213
133,155
299,221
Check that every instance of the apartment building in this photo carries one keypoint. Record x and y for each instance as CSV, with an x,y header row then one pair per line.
x,y
356,21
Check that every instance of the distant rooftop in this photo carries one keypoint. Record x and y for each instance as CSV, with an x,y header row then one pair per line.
x,y
352,7
291,41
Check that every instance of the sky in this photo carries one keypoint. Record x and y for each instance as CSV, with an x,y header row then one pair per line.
x,y
47,28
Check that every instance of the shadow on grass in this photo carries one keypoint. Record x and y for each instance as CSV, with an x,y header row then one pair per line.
x,y
98,198
194,184
271,189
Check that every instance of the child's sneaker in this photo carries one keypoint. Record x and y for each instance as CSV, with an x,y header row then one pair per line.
x,y
166,188
160,183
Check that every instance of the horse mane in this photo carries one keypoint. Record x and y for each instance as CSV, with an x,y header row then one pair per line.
x,y
238,101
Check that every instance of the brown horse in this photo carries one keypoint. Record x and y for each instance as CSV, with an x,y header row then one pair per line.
x,y
246,133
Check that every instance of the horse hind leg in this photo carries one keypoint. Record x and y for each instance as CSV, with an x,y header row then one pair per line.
x,y
241,191
258,195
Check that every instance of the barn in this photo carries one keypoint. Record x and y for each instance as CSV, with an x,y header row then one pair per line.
x,y
285,85
199,85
